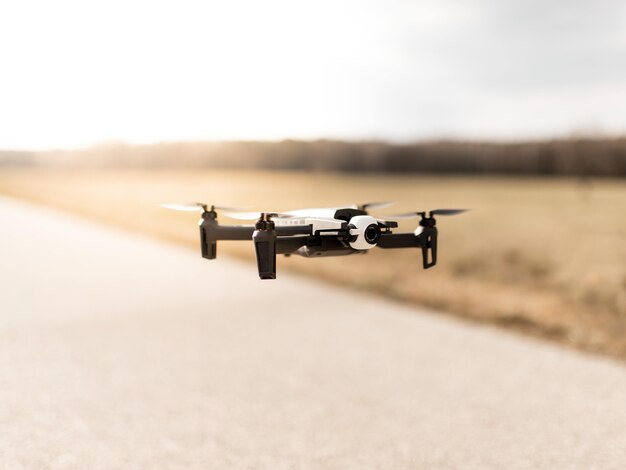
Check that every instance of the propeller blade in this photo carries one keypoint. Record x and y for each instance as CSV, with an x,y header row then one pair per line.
x,y
409,215
198,207
375,205
448,211
229,208
255,215
189,207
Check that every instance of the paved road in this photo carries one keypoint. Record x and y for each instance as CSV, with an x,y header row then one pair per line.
x,y
118,351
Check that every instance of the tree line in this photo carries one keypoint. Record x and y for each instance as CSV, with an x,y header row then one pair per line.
x,y
573,157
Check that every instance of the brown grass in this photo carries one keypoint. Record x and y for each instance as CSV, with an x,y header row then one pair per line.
x,y
547,257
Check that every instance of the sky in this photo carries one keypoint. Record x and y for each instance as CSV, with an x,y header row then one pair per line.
x,y
78,73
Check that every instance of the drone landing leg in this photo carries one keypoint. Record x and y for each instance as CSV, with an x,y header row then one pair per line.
x,y
428,240
265,247
264,238
208,243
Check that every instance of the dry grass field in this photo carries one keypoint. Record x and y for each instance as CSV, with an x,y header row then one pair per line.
x,y
547,257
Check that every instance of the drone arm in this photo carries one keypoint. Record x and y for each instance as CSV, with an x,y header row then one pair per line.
x,y
287,230
232,232
211,232
398,240
244,232
427,241
286,245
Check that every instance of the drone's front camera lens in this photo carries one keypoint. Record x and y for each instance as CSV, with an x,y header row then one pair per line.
x,y
371,234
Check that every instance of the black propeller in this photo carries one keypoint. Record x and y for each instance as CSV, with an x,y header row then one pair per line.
x,y
447,211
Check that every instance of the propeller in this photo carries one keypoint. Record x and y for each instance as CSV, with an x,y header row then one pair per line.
x,y
374,205
432,213
196,207
256,215
188,207
447,211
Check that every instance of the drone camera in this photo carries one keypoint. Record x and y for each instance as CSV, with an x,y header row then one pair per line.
x,y
372,234
365,232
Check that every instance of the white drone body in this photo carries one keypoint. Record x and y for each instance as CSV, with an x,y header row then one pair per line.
x,y
316,232
363,228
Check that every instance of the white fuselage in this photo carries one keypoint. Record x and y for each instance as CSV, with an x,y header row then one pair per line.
x,y
323,222
319,219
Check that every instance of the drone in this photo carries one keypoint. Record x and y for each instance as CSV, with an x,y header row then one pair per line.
x,y
313,233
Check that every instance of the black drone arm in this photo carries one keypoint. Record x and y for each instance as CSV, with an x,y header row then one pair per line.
x,y
232,232
427,241
211,232
398,240
286,245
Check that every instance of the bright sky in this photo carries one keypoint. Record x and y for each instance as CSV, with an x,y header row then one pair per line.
x,y
75,73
